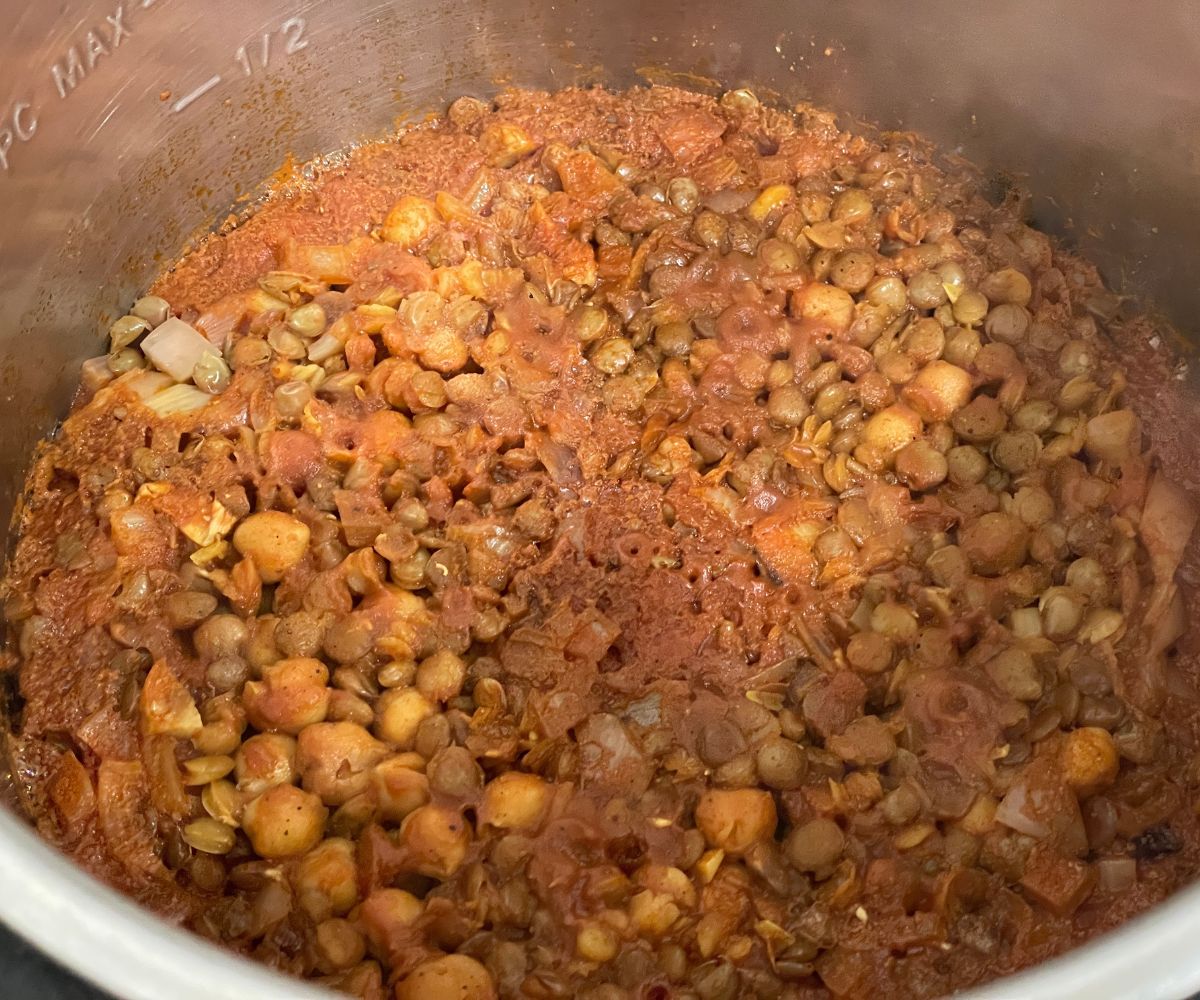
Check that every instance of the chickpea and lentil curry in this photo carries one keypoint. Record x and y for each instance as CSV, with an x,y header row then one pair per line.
x,y
620,546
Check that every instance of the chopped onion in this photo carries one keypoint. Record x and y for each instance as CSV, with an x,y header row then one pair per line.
x,y
332,264
175,347
325,347
645,711
729,200
218,326
178,399
1117,874
1168,521
145,384
1167,628
1115,436
559,459
95,373
1014,810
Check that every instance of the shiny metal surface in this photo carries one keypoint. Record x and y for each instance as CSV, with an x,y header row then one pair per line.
x,y
129,126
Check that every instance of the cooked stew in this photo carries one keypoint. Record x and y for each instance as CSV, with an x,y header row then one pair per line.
x,y
621,545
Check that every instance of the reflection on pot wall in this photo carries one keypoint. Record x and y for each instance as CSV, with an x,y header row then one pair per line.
x,y
129,126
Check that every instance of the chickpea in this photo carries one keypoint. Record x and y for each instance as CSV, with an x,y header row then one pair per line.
x,y
444,350
920,466
397,789
339,943
292,694
970,308
865,742
938,391
995,543
995,362
1033,505
770,200
825,305
410,221
891,429
596,942
329,872
924,341
980,420
284,822
514,801
440,677
736,819
452,977
274,541
834,543
897,367
264,760
653,913
398,714
334,760
224,720
1090,760
436,838
385,914
875,391
750,370
962,345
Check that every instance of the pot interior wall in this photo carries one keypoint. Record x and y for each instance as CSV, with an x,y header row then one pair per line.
x,y
128,127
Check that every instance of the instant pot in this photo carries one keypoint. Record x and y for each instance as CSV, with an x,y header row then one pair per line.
x,y
130,127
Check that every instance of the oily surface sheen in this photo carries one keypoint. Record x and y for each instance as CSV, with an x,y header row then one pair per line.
x,y
633,546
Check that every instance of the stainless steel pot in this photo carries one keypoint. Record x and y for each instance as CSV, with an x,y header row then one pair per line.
x,y
129,126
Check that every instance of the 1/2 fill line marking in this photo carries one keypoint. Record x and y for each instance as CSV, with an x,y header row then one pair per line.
x,y
196,94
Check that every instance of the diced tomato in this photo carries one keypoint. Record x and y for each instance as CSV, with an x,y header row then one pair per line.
x,y
690,134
